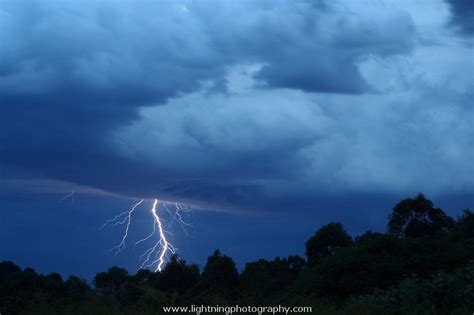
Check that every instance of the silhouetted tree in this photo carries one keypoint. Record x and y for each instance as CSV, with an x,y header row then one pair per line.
x,y
264,278
112,282
464,227
296,263
143,276
177,276
18,288
354,270
77,289
54,284
325,241
367,236
416,217
220,273
7,268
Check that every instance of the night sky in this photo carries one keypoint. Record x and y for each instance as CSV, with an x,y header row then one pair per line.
x,y
268,118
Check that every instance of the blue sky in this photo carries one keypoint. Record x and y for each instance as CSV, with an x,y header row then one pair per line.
x,y
267,118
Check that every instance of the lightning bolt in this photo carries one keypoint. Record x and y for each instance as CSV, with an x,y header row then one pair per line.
x,y
67,196
177,215
162,242
156,254
181,208
127,218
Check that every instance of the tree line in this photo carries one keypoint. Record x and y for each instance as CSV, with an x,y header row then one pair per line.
x,y
422,264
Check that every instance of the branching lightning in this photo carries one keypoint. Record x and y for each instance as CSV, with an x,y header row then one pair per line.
x,y
165,245
155,255
67,196
177,215
127,218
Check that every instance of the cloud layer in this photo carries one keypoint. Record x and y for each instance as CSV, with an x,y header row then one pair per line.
x,y
237,104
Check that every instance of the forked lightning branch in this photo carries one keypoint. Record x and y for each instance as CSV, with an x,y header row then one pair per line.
x,y
154,257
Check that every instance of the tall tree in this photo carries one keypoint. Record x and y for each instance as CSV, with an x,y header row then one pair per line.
x,y
416,217
112,282
326,241
263,278
177,276
220,273
464,227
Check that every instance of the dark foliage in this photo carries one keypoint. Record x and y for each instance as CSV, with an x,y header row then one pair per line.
x,y
423,265
177,277
416,217
263,278
326,241
367,236
220,277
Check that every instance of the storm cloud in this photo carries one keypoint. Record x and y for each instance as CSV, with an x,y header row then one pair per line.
x,y
237,104
462,16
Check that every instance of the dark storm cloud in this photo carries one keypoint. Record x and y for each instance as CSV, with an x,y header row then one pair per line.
x,y
74,71
330,45
71,71
253,145
117,96
462,15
